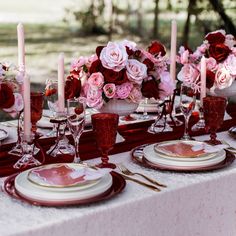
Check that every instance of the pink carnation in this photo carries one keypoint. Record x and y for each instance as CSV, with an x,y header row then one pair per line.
x,y
123,90
78,64
211,64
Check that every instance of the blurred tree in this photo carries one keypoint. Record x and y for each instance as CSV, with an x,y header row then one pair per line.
x,y
140,18
219,8
156,19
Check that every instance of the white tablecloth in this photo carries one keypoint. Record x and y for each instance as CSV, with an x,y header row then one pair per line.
x,y
193,204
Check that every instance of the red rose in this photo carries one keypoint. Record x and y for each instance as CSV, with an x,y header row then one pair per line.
x,y
98,50
150,89
72,88
7,98
96,67
149,64
215,37
219,51
50,92
156,48
210,79
114,77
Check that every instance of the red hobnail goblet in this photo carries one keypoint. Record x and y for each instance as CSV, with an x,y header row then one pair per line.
x,y
36,105
105,130
214,111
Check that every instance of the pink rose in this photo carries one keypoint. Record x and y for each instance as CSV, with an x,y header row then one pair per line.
x,y
230,64
166,87
230,41
109,90
136,71
129,44
223,79
77,64
123,90
114,56
96,80
184,57
94,98
91,59
135,94
211,64
188,74
17,106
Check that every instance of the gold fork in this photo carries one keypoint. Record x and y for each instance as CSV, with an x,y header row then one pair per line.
x,y
126,171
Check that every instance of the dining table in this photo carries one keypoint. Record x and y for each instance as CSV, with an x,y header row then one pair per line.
x,y
193,203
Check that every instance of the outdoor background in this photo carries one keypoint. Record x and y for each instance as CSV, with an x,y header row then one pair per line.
x,y
76,27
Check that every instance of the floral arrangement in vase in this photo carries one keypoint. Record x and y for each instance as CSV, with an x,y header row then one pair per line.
x,y
220,52
123,71
11,79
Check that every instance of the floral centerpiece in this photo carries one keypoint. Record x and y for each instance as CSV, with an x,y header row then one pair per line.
x,y
122,71
220,52
11,100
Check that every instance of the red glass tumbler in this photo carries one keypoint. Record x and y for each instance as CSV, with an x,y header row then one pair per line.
x,y
105,130
214,110
36,100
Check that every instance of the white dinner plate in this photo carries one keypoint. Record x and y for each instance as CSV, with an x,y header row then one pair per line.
x,y
182,150
34,192
155,158
3,134
65,176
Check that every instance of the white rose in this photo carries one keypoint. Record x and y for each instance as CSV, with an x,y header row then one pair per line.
x,y
114,56
223,79
136,71
230,64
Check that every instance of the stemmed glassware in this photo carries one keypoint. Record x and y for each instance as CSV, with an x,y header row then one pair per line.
x,y
76,121
52,101
62,145
36,99
214,110
105,130
187,104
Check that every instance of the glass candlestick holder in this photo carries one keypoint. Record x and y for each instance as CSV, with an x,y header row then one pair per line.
x,y
61,145
27,159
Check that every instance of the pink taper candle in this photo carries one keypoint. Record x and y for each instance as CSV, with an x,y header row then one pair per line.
x,y
61,83
27,116
203,79
21,46
173,50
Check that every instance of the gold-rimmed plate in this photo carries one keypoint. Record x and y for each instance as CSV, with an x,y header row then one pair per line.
x,y
65,176
182,150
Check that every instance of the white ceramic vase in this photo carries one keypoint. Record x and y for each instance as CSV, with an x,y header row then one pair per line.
x,y
229,92
120,107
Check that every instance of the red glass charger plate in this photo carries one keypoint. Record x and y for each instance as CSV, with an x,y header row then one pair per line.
x,y
118,184
137,156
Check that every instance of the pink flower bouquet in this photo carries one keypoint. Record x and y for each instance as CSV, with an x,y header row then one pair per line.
x,y
220,52
121,70
11,100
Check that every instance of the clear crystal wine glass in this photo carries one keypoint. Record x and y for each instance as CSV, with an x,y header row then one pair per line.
x,y
76,121
187,104
52,101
